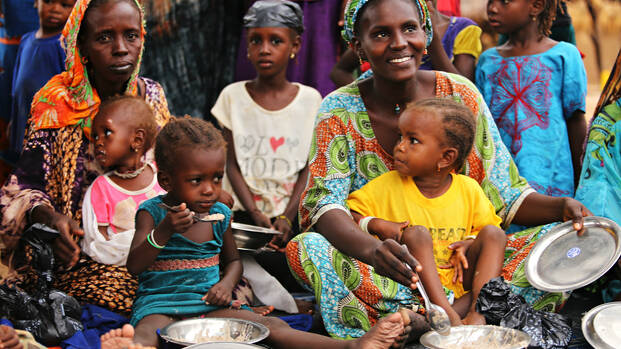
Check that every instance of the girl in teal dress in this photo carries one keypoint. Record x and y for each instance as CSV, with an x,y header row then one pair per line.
x,y
179,259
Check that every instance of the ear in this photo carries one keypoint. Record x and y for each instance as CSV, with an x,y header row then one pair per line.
x,y
296,44
449,156
536,7
357,48
138,139
164,180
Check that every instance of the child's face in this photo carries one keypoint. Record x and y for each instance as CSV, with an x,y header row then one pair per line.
x,y
53,14
112,136
196,178
270,48
508,16
420,148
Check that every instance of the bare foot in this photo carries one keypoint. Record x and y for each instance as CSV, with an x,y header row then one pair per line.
x,y
120,338
9,338
474,318
415,325
305,307
454,317
383,334
263,310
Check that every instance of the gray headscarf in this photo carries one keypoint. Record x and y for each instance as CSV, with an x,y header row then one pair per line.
x,y
275,13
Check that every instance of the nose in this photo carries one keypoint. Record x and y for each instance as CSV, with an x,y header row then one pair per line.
x,y
265,48
120,46
208,188
399,42
399,146
492,7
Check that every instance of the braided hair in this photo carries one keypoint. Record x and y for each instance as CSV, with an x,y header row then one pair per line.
x,y
547,16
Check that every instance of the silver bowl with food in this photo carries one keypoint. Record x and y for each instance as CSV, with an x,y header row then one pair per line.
x,y
223,346
251,237
214,330
475,337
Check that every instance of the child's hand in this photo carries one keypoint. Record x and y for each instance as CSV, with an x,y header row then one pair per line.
x,y
220,294
9,338
386,229
458,259
178,219
279,241
260,219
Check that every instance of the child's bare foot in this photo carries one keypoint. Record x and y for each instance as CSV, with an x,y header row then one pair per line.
x,y
9,338
474,318
263,310
120,338
383,334
415,325
305,307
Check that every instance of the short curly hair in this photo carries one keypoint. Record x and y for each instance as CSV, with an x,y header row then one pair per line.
x,y
139,115
547,16
185,132
458,122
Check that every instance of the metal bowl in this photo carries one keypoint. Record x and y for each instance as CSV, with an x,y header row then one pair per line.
x,y
223,346
214,330
251,237
601,324
475,337
563,261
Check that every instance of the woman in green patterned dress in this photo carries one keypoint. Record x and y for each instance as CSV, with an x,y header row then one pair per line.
x,y
356,278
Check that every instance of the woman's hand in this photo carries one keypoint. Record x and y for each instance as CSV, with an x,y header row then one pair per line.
x,y
386,229
390,259
458,259
178,219
65,247
574,210
220,294
226,199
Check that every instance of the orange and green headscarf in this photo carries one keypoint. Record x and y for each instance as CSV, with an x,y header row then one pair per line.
x,y
69,98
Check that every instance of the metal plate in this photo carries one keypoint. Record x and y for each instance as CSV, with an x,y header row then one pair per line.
x,y
563,261
601,336
253,228
214,330
475,337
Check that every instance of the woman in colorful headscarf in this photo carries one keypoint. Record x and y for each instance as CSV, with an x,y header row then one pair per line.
x,y
356,130
103,43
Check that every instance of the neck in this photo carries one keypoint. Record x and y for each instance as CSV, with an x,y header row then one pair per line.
x,y
274,83
526,36
395,93
131,164
107,90
44,34
434,186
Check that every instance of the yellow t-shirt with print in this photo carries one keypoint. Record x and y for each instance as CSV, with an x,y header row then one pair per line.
x,y
456,215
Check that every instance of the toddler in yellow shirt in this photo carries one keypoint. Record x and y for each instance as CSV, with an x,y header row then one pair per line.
x,y
443,218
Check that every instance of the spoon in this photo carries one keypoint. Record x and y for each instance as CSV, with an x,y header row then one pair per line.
x,y
208,218
437,317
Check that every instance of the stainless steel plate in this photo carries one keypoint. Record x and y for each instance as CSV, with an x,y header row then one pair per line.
x,y
251,237
601,326
214,330
563,261
475,337
253,228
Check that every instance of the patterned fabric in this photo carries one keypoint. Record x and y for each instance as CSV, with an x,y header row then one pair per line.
x,y
69,98
353,7
182,264
344,157
173,291
531,98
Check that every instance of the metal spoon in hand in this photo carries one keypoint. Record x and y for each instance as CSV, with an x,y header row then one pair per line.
x,y
436,315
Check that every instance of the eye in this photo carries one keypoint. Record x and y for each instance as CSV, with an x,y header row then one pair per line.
x,y
132,36
195,181
410,28
217,179
254,41
413,140
276,41
103,37
506,2
380,34
107,133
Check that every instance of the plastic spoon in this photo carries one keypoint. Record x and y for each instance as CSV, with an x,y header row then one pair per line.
x,y
437,317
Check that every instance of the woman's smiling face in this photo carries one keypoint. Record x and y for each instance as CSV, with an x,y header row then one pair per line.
x,y
111,40
391,38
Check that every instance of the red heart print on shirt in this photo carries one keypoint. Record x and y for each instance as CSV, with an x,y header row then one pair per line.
x,y
275,143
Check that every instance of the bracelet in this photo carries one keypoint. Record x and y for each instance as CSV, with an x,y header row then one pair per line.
x,y
151,240
364,223
283,217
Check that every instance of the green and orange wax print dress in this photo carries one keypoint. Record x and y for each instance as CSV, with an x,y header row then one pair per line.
x,y
344,156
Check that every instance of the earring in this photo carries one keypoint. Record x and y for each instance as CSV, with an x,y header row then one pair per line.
x,y
425,51
247,55
534,18
438,169
292,55
84,60
360,60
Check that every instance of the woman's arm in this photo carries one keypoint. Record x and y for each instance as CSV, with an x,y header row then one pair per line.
x,y
142,253
577,131
65,247
239,184
538,209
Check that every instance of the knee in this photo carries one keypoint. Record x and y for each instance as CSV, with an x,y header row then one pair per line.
x,y
273,323
491,234
416,236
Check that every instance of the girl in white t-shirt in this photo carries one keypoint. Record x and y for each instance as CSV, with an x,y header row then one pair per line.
x,y
268,123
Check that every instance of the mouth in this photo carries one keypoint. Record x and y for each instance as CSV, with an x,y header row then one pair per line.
x,y
264,64
121,68
494,22
204,206
53,20
400,60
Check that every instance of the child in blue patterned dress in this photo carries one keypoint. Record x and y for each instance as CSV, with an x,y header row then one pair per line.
x,y
178,258
535,88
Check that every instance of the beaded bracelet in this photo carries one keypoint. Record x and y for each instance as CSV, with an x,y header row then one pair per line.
x,y
283,217
151,240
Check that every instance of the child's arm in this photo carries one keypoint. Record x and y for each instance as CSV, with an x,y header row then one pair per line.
x,y
577,131
222,292
291,211
382,228
142,253
239,184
